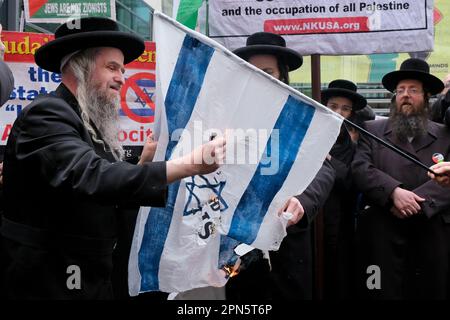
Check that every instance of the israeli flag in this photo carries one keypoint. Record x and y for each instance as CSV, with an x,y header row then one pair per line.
x,y
279,140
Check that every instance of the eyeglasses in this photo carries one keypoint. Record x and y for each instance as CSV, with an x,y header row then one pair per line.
x,y
411,91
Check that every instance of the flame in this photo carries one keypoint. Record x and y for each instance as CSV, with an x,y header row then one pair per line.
x,y
232,271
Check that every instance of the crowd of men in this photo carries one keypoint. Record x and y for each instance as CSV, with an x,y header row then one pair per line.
x,y
382,212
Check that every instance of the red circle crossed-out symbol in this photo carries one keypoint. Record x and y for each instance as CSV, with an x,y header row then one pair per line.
x,y
131,82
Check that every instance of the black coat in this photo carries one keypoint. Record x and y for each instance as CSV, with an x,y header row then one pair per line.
x,y
339,225
292,275
6,82
62,196
292,265
412,253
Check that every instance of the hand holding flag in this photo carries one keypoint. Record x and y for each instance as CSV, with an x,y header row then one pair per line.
x,y
202,88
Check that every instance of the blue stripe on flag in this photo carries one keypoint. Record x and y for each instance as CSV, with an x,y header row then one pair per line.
x,y
146,83
292,125
227,256
184,88
143,112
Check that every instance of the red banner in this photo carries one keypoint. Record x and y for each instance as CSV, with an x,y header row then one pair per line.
x,y
21,46
137,95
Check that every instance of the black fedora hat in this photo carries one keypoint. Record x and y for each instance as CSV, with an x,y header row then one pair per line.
x,y
346,89
270,43
87,33
415,69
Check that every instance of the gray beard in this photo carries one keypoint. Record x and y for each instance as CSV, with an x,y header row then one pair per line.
x,y
406,126
101,110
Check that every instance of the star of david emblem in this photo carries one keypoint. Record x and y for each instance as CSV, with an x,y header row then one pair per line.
x,y
194,204
141,101
149,94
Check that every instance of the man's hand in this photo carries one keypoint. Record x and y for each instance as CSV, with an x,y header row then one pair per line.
x,y
444,169
149,150
398,214
204,159
406,202
294,207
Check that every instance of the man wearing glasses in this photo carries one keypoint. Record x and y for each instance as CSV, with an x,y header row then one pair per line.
x,y
402,235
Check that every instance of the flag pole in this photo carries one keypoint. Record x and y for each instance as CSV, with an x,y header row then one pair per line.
x,y
318,225
207,19
152,11
392,147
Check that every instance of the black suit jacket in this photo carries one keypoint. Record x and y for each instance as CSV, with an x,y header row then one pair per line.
x,y
412,253
377,170
292,265
62,195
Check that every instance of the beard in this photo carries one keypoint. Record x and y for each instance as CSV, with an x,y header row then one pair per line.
x,y
405,126
102,110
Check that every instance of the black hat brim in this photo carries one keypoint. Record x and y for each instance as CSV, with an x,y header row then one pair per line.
x,y
433,84
359,102
49,56
292,58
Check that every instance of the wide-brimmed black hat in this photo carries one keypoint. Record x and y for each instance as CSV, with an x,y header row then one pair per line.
x,y
87,33
270,43
415,69
346,89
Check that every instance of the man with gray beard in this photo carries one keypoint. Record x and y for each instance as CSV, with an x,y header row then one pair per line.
x,y
402,252
63,178
97,106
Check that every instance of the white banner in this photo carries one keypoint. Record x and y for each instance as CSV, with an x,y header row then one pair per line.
x,y
329,27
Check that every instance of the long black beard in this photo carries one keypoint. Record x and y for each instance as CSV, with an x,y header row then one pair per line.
x,y
408,126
